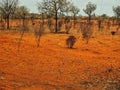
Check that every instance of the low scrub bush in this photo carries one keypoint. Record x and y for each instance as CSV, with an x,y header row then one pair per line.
x,y
87,32
70,41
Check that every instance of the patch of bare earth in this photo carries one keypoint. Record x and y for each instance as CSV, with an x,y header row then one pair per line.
x,y
52,66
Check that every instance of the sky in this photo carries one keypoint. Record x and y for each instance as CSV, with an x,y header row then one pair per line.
x,y
103,6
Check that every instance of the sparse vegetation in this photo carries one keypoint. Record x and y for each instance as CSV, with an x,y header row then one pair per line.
x,y
39,30
68,26
8,7
87,32
50,25
53,7
74,11
90,8
116,10
113,33
33,53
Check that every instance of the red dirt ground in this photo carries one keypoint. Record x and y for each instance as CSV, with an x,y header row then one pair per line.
x,y
52,66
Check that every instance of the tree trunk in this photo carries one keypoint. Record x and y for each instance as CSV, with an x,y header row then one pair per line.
x,y
43,18
74,20
89,19
56,20
23,22
8,24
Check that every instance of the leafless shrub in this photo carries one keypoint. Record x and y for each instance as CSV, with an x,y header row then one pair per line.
x,y
59,25
38,33
67,20
51,25
81,25
24,29
108,25
3,24
118,26
113,33
68,26
87,32
99,24
70,41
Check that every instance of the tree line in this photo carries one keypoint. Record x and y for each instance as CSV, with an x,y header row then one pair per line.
x,y
48,9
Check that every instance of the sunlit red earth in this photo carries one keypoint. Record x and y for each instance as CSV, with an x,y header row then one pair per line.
x,y
52,66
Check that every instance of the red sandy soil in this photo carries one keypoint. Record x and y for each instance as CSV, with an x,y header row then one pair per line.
x,y
52,66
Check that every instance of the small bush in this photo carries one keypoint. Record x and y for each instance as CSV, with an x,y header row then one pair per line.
x,y
87,32
59,25
70,41
39,31
51,25
113,33
68,26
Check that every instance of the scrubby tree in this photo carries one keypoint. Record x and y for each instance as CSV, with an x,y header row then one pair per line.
x,y
2,23
104,16
0,14
74,10
66,9
22,12
116,10
52,7
68,26
0,18
7,8
90,8
38,31
99,21
87,32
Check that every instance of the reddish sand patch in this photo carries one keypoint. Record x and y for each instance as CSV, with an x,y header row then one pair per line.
x,y
53,66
